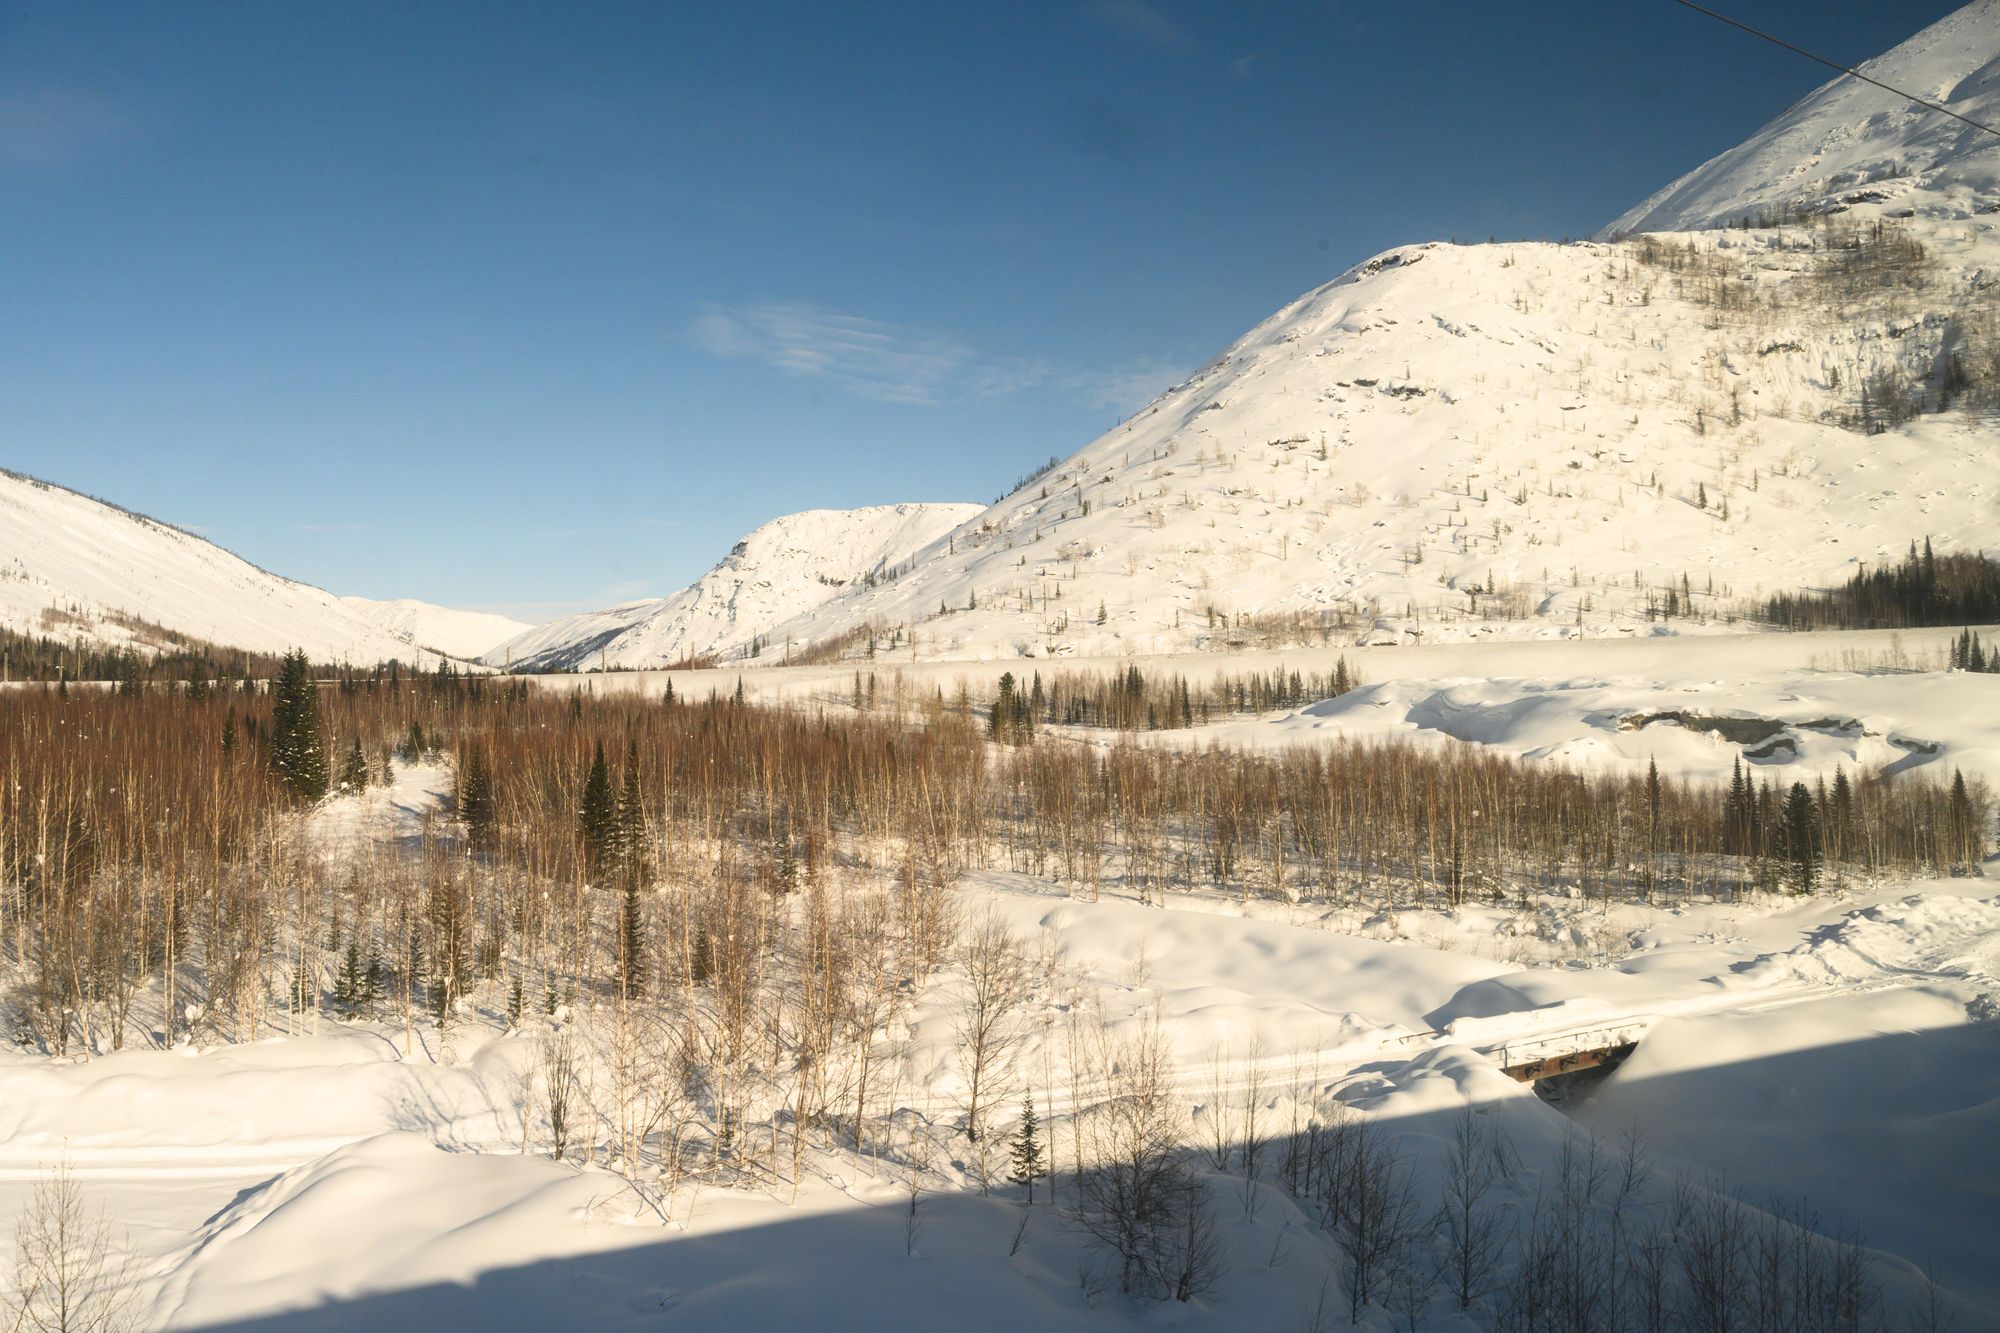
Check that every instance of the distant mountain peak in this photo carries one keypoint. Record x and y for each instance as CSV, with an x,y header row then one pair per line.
x,y
1849,145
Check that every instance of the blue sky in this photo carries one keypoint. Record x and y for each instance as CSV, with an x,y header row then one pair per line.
x,y
536,307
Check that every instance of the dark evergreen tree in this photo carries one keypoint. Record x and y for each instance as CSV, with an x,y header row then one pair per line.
x,y
1802,838
449,918
354,772
1839,815
1738,814
474,799
298,752
629,831
351,985
1965,839
1026,1154
598,819
632,942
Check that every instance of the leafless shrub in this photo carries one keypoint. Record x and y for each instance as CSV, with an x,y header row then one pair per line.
x,y
70,1275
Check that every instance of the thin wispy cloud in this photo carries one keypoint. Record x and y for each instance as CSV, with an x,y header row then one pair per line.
x,y
864,356
1139,22
57,127
924,368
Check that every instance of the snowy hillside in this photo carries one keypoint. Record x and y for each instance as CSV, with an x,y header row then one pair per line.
x,y
1505,439
1638,435
1852,146
76,568
781,570
459,633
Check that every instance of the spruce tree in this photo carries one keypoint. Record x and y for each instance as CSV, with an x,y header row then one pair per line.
x,y
354,772
351,983
1801,830
629,830
632,942
598,818
297,750
1964,832
1026,1154
475,800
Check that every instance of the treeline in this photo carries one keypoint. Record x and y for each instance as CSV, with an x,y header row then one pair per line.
x,y
170,656
1138,700
140,836
1923,589
1395,826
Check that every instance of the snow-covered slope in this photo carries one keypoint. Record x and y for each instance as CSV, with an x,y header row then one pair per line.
x,y
1500,439
782,569
1850,145
76,568
459,633
1540,439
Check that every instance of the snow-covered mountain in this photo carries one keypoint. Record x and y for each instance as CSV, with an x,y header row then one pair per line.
x,y
778,572
1537,439
458,633
1851,145
72,567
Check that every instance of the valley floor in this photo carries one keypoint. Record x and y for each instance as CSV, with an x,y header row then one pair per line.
x,y
1839,1050
1836,1056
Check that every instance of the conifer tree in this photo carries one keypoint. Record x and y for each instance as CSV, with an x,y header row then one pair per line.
x,y
1801,831
1965,839
475,800
354,772
629,824
350,986
599,816
632,941
1026,1154
297,750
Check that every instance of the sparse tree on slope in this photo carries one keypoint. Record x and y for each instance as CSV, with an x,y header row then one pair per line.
x,y
1027,1151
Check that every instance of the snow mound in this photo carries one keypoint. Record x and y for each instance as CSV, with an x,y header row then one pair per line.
x,y
390,1213
1923,934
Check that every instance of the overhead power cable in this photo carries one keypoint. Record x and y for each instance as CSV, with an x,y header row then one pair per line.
x,y
1834,64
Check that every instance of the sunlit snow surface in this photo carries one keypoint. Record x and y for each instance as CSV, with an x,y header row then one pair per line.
x,y
360,1177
